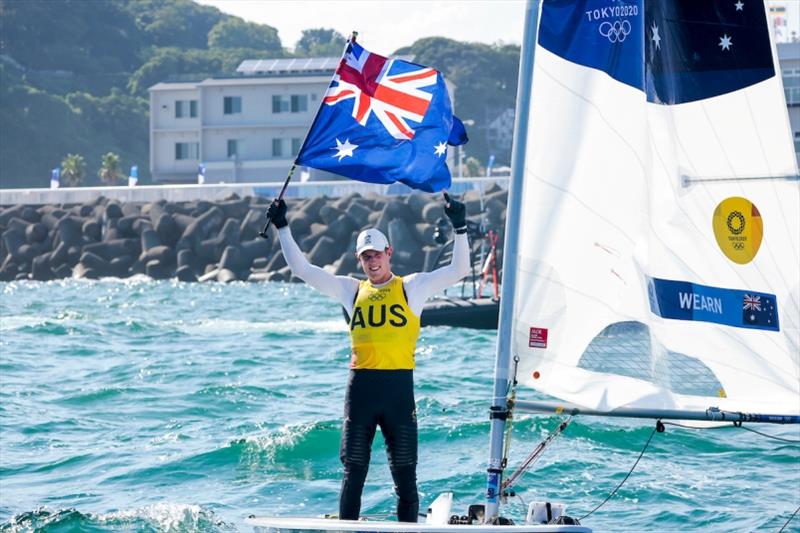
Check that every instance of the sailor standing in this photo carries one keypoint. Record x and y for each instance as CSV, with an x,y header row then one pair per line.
x,y
384,313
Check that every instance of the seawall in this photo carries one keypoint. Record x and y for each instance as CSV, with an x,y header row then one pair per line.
x,y
200,240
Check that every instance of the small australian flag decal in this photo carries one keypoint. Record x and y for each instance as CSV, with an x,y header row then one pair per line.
x,y
759,310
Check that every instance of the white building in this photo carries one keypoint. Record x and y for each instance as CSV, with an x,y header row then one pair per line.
x,y
243,128
500,133
789,59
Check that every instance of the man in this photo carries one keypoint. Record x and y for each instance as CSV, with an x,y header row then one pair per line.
x,y
384,313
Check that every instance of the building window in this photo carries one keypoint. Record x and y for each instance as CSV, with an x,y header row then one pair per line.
x,y
232,105
277,147
791,86
235,147
296,145
280,104
187,151
797,143
185,108
299,103
792,96
295,103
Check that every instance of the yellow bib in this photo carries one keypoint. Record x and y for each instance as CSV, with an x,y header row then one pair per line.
x,y
383,330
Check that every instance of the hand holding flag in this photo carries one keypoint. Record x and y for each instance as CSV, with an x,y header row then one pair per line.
x,y
382,121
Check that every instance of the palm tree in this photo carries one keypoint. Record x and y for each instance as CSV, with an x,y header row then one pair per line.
x,y
73,168
109,169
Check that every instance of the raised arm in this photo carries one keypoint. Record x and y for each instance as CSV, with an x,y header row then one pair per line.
x,y
421,286
340,288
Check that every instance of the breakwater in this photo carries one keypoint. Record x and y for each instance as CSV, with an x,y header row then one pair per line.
x,y
218,241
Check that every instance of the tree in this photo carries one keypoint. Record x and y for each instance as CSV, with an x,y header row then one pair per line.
x,y
320,42
73,168
109,169
166,63
236,33
181,23
485,79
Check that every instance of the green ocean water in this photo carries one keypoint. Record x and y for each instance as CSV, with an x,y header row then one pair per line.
x,y
162,406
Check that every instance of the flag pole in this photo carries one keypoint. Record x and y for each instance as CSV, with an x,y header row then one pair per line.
x,y
263,233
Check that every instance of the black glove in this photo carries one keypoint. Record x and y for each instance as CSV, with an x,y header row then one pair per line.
x,y
456,212
277,213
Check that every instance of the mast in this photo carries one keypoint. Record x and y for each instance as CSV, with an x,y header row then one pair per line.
x,y
499,408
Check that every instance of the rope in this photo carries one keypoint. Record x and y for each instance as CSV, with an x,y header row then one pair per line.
x,y
536,453
790,519
685,426
782,439
627,476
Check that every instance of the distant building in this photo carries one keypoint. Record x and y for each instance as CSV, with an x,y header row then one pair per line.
x,y
247,127
499,134
789,59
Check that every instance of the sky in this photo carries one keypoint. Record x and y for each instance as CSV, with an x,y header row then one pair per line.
x,y
386,25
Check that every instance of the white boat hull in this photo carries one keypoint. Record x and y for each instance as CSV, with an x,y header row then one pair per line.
x,y
275,524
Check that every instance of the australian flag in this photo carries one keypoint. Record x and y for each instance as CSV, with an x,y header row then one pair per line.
x,y
384,121
759,310
676,51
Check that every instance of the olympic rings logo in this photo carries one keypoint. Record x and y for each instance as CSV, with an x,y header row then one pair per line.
x,y
736,222
378,296
615,32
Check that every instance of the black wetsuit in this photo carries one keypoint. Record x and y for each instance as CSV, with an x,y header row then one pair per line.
x,y
382,398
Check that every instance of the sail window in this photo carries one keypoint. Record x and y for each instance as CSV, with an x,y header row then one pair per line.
x,y
625,349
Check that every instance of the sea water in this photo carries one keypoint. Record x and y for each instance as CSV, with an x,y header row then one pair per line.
x,y
160,406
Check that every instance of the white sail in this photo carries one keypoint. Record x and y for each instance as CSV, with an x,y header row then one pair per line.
x,y
660,228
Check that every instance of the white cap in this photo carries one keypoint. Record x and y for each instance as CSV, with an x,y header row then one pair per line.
x,y
371,239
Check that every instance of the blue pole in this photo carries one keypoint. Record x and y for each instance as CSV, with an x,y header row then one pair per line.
x,y
499,409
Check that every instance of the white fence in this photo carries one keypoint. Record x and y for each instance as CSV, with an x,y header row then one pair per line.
x,y
219,191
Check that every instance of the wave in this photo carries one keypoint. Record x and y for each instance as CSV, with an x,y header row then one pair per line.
x,y
284,327
157,517
285,452
12,323
99,395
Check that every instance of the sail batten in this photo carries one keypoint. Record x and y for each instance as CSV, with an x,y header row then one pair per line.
x,y
660,195
689,181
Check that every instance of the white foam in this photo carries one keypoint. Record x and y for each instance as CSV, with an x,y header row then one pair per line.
x,y
166,516
238,326
10,323
286,437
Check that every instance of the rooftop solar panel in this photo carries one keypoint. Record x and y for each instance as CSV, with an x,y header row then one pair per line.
x,y
295,64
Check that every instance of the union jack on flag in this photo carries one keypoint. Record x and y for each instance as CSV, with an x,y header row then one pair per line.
x,y
752,303
393,98
382,121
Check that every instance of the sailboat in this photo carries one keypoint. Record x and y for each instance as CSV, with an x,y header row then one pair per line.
x,y
654,198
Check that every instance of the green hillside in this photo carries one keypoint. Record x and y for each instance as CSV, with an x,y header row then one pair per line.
x,y
74,75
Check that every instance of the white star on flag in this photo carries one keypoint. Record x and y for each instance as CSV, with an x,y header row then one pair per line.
x,y
656,37
344,149
725,42
739,6
440,148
